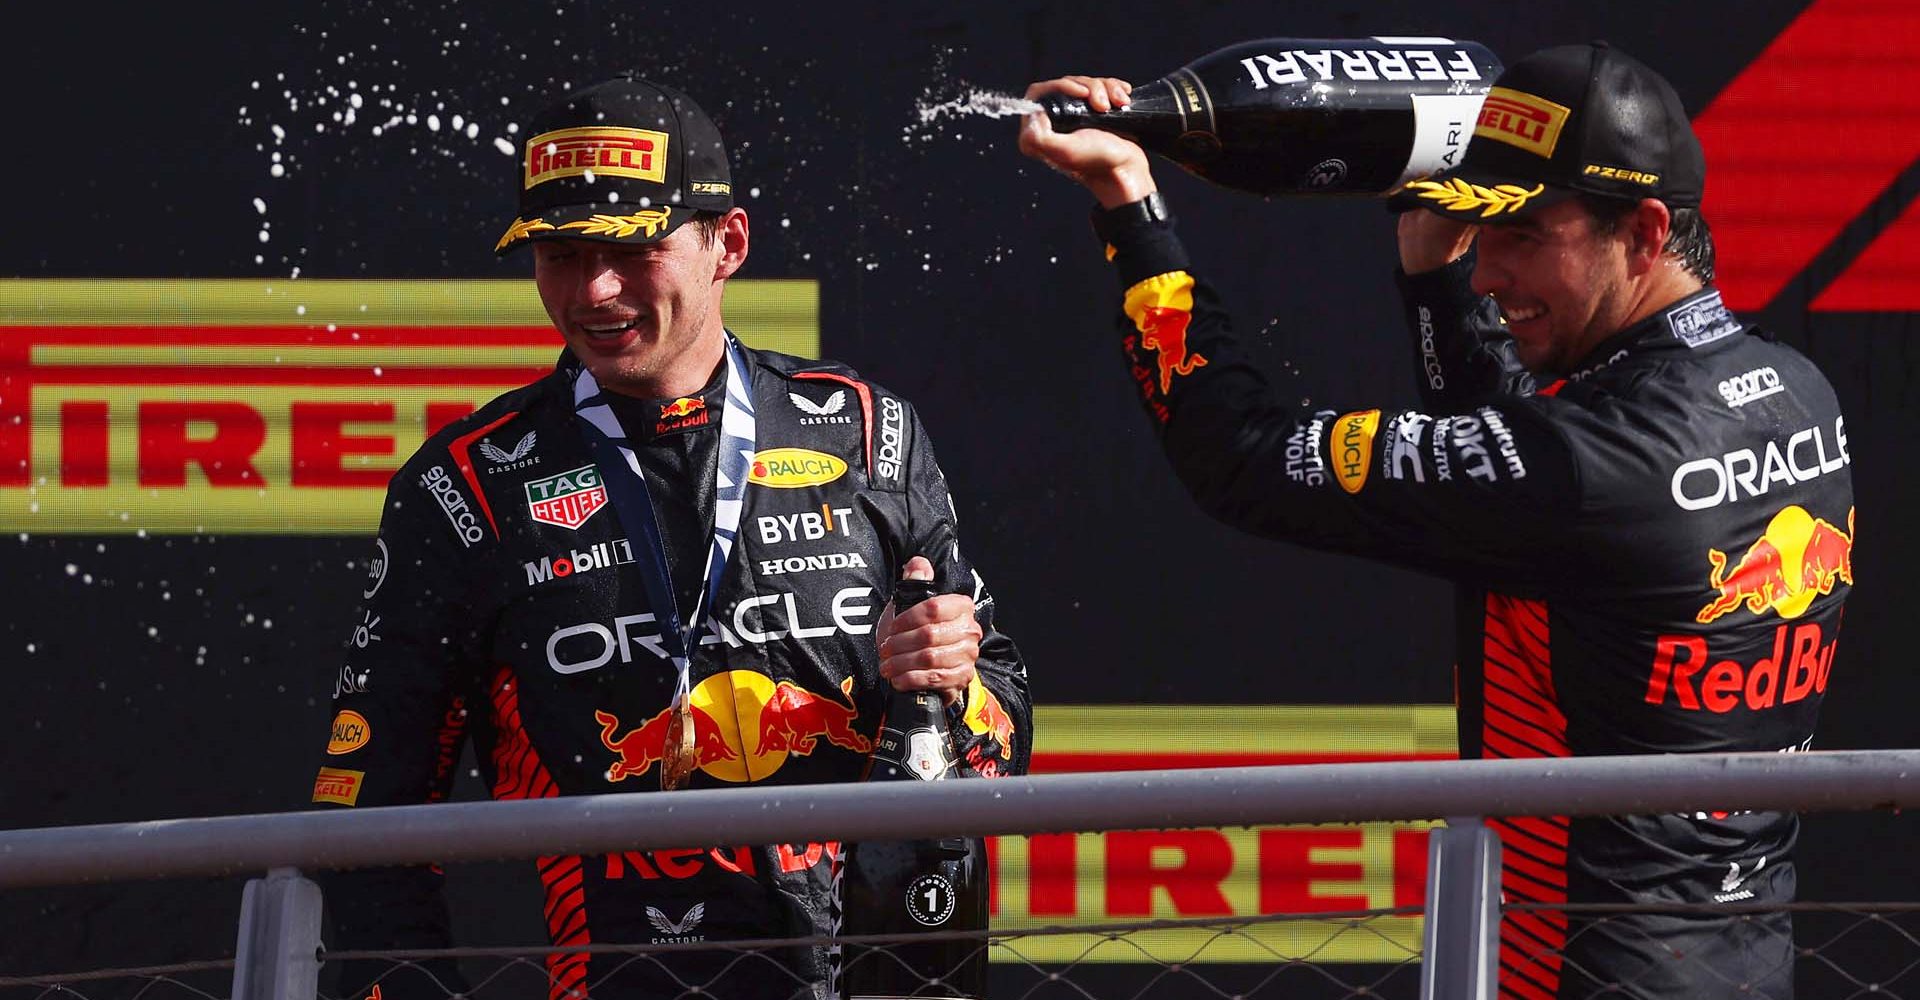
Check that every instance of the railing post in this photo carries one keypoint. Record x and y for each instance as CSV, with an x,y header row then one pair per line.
x,y
1462,959
277,954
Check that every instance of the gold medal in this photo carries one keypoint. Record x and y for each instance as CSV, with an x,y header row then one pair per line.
x,y
677,757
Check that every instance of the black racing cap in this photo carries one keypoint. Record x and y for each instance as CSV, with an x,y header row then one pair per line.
x,y
1573,118
625,161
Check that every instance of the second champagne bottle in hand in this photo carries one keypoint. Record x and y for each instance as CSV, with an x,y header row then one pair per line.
x,y
1307,116
919,886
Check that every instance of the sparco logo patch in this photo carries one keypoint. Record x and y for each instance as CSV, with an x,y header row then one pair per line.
x,y
465,525
1429,357
1749,386
567,499
893,430
616,152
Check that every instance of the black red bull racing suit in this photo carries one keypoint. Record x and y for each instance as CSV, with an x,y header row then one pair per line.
x,y
504,606
1659,547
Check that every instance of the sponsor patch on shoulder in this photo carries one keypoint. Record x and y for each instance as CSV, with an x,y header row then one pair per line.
x,y
1702,321
1351,444
890,446
1750,386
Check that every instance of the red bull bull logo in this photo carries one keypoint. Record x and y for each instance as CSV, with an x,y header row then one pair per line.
x,y
1797,559
794,718
745,725
646,745
1165,331
985,716
682,414
1161,309
683,407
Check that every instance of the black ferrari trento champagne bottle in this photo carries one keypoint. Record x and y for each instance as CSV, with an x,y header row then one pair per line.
x,y
911,887
1306,115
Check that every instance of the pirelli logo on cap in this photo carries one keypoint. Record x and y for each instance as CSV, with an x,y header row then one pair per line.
x,y
617,152
1523,120
338,786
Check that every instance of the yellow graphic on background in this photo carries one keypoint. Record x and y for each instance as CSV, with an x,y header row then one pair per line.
x,y
267,407
1325,873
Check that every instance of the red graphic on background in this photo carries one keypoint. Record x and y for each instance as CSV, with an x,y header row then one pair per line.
x,y
1803,141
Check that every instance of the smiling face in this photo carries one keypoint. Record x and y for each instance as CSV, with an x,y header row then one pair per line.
x,y
644,318
1563,282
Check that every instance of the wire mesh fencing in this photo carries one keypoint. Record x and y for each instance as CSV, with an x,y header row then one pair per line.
x,y
1271,956
1835,951
1828,951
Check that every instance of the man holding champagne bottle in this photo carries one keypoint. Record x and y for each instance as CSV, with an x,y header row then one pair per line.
x,y
1653,547
664,564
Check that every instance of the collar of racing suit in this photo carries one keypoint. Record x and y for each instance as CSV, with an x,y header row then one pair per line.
x,y
649,420
1690,323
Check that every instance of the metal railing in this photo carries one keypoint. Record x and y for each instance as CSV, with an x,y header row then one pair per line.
x,y
279,934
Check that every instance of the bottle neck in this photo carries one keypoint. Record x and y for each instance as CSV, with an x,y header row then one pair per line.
x,y
1154,118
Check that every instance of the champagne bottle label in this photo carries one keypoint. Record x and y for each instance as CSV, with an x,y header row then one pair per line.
x,y
1307,116
930,900
928,755
1442,124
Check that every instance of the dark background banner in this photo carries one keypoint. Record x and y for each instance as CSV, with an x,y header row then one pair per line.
x,y
188,674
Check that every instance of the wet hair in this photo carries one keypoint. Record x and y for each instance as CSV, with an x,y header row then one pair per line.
x,y
1688,236
708,223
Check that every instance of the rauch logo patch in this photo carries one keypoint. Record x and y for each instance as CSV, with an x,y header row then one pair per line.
x,y
792,468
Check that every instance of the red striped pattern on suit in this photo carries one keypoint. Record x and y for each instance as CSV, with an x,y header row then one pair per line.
x,y
1521,718
518,774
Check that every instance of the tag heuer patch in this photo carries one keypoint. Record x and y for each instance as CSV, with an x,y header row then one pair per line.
x,y
567,499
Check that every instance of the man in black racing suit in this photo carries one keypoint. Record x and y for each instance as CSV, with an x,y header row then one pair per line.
x,y
1659,539
510,600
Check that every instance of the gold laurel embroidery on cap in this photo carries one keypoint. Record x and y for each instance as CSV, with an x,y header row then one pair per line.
x,y
520,230
622,226
1459,196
